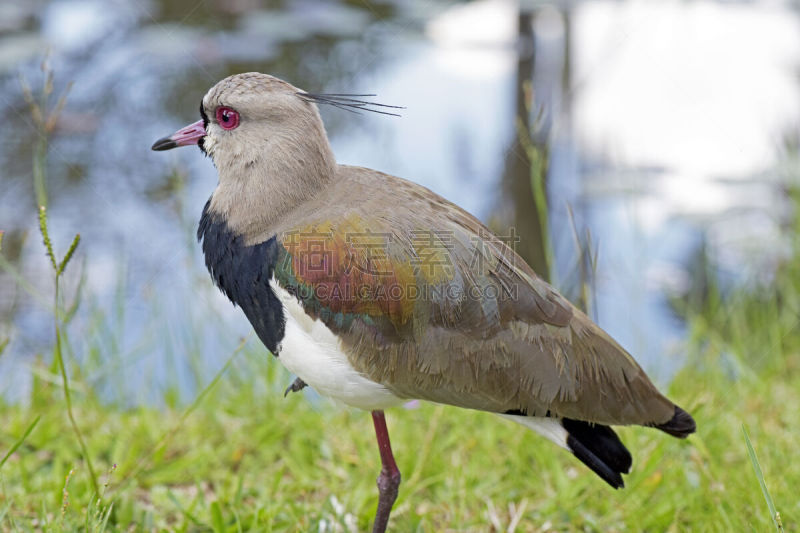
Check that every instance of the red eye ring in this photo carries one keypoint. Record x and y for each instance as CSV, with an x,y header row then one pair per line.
x,y
227,118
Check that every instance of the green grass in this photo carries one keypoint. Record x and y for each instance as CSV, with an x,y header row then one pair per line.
x,y
247,459
241,457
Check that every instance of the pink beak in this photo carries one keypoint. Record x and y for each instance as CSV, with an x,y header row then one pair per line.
x,y
186,136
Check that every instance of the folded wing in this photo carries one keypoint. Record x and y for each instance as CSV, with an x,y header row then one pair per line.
x,y
428,302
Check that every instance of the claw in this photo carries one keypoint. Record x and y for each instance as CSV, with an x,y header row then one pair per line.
x,y
296,386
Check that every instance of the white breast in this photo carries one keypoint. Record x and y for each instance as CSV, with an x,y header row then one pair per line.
x,y
313,353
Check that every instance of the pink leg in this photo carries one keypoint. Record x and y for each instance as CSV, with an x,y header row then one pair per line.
x,y
389,480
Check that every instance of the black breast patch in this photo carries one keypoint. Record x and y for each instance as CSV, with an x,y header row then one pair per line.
x,y
243,273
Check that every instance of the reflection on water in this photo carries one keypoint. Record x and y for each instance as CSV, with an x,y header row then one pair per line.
x,y
139,70
525,161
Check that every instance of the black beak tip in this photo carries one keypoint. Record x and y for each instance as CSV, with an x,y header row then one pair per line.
x,y
164,144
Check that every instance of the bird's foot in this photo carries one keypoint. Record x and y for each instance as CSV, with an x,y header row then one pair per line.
x,y
296,386
388,484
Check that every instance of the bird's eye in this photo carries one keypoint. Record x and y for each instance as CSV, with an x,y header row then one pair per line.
x,y
227,118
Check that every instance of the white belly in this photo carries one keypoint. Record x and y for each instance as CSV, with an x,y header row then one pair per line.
x,y
313,353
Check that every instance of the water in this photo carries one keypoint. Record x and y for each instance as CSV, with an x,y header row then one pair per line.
x,y
646,183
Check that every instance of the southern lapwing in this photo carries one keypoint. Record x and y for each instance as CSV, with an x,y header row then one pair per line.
x,y
373,290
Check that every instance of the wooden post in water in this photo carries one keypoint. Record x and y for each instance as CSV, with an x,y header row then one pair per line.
x,y
518,208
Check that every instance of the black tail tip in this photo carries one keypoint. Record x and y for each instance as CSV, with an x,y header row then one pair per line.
x,y
681,425
598,447
610,475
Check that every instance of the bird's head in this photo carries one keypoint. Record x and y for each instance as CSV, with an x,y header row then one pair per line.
x,y
249,117
267,140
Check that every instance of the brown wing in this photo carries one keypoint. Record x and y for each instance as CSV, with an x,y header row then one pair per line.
x,y
481,331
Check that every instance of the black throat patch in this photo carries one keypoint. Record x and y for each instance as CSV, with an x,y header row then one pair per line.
x,y
243,273
201,142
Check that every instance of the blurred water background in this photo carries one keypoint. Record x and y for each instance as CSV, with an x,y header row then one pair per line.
x,y
667,129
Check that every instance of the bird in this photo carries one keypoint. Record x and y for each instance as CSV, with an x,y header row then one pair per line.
x,y
375,291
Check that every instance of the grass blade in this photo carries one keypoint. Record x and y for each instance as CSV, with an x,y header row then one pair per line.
x,y
20,441
216,518
164,440
776,517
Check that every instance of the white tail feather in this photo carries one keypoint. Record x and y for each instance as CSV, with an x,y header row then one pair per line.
x,y
550,428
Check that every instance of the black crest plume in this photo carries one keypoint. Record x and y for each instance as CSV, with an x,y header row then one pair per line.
x,y
349,102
